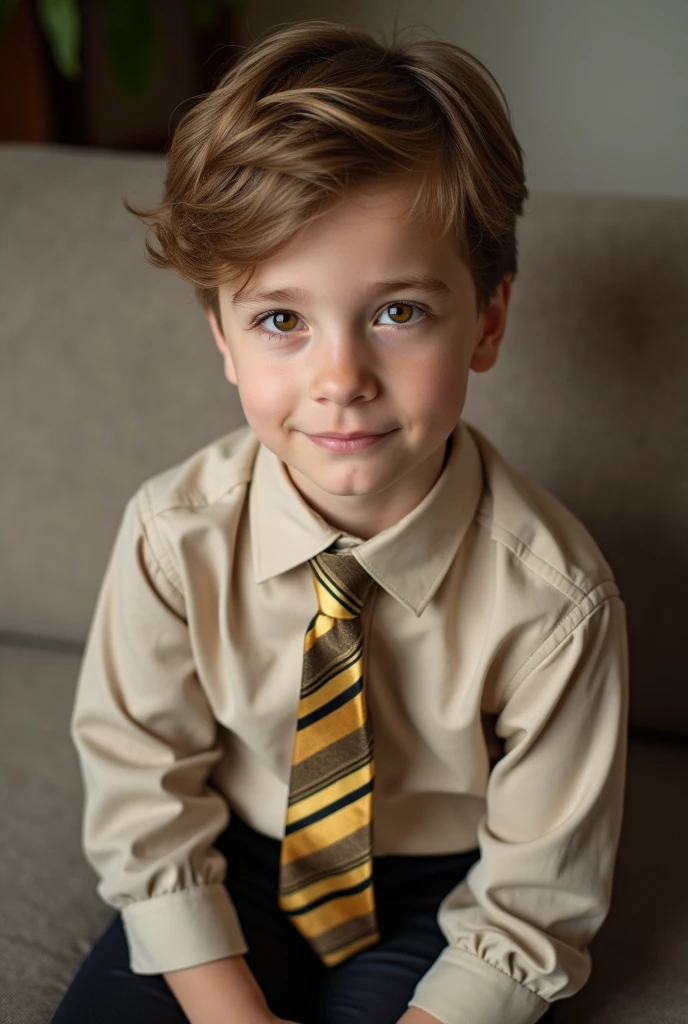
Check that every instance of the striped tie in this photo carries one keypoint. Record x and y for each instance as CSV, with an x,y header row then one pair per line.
x,y
326,866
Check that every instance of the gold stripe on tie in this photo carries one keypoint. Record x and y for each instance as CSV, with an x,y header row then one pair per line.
x,y
326,864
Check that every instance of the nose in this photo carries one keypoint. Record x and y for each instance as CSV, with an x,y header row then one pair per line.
x,y
343,370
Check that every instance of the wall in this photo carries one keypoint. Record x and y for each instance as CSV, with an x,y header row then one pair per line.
x,y
598,91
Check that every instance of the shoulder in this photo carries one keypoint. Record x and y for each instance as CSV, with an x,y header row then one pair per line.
x,y
213,475
198,502
535,531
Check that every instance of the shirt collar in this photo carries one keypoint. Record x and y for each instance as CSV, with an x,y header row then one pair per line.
x,y
409,559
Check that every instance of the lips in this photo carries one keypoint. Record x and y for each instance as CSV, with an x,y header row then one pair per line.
x,y
350,437
343,444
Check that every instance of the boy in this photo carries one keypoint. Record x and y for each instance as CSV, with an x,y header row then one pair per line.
x,y
352,713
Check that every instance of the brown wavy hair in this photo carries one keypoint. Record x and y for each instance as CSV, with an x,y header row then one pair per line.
x,y
314,108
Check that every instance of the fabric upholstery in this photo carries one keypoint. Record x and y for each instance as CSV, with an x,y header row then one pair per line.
x,y
109,374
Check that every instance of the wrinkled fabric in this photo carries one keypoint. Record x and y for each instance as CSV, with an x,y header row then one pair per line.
x,y
496,673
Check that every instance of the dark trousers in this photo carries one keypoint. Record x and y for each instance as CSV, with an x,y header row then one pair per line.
x,y
372,987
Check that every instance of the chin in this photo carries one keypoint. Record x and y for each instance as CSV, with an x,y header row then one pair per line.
x,y
349,489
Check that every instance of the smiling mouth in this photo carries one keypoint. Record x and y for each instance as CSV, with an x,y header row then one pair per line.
x,y
351,437
348,437
350,443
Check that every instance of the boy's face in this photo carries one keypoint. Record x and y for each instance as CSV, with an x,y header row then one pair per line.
x,y
350,355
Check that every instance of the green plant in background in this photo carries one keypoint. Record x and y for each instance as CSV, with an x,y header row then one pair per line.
x,y
131,30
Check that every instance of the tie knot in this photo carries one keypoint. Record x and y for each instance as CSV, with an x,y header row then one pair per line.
x,y
341,584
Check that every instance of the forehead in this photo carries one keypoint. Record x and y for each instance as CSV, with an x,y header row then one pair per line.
x,y
365,241
386,201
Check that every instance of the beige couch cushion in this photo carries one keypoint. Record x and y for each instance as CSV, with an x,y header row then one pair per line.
x,y
110,374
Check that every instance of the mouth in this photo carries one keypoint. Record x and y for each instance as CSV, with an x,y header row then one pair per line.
x,y
347,442
350,437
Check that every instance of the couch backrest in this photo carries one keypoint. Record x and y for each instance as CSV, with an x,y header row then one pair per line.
x,y
110,374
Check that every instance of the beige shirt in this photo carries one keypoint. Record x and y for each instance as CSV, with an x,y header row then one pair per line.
x,y
496,674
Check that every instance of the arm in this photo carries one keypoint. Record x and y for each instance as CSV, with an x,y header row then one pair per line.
x,y
146,738
220,992
519,925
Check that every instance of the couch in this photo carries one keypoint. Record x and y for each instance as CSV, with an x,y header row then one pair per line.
x,y
109,374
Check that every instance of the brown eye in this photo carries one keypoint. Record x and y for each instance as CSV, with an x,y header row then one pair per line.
x,y
397,310
285,319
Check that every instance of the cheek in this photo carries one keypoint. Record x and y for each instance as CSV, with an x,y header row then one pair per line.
x,y
265,394
436,380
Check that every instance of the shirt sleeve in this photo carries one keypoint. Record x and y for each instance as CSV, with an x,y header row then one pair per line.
x,y
518,926
146,739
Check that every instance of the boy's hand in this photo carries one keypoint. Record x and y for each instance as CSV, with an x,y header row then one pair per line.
x,y
414,1015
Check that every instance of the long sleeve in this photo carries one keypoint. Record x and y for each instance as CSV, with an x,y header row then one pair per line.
x,y
519,925
146,740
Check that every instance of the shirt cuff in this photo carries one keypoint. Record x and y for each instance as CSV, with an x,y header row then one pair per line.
x,y
182,929
460,988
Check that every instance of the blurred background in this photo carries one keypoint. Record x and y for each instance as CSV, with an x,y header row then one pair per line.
x,y
598,91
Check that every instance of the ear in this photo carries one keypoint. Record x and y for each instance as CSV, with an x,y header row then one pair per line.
x,y
230,372
491,328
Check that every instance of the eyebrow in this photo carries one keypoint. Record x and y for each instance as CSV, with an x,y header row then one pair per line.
x,y
424,282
